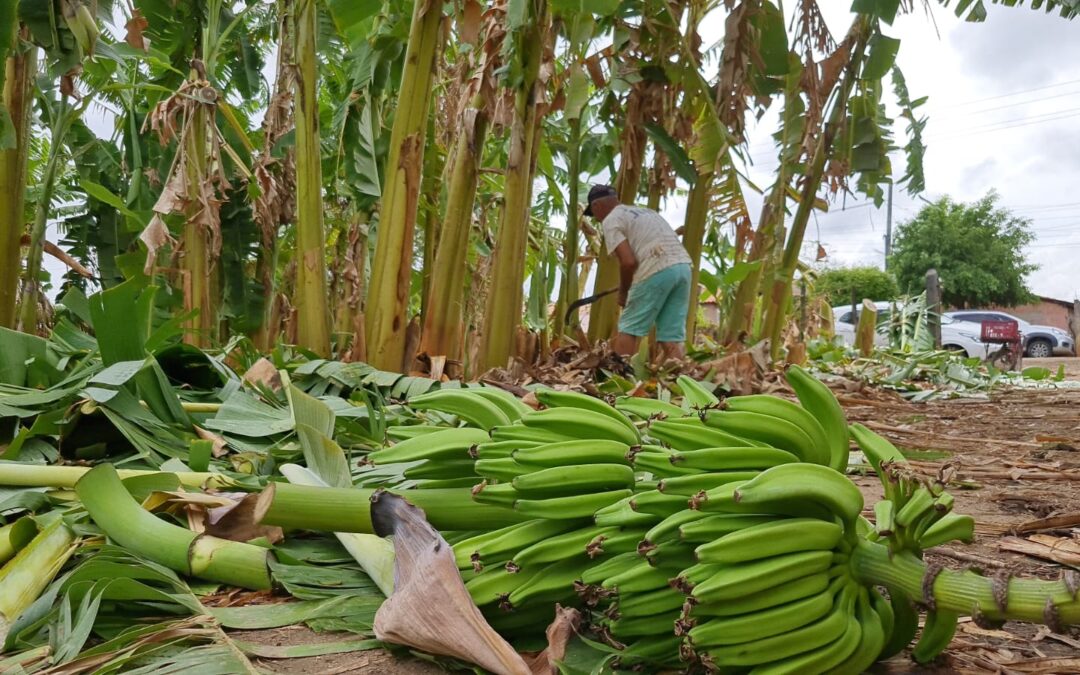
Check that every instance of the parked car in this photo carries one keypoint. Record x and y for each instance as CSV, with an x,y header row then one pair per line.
x,y
956,335
1039,341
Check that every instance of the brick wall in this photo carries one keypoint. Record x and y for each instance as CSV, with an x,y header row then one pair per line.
x,y
1042,313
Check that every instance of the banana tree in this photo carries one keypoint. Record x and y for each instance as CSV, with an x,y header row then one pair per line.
x,y
387,308
20,66
529,35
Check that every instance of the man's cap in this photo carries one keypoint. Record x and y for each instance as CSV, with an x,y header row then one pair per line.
x,y
599,192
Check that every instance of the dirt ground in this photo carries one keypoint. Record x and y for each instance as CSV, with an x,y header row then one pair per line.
x,y
1018,455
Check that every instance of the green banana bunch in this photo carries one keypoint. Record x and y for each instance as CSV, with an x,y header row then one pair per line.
x,y
794,413
692,434
80,21
778,432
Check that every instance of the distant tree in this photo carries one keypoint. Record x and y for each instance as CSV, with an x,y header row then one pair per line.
x,y
868,282
977,249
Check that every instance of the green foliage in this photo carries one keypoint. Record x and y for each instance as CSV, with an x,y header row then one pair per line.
x,y
868,282
976,248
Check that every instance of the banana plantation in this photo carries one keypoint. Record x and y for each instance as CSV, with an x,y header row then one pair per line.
x,y
320,351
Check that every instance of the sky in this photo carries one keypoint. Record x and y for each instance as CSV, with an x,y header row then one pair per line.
x,y
1004,114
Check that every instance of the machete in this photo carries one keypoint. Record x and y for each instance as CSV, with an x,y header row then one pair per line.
x,y
587,300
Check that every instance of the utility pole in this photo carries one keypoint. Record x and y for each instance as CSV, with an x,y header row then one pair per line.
x,y
888,229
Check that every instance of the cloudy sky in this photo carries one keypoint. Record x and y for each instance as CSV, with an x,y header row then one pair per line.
x,y
1004,111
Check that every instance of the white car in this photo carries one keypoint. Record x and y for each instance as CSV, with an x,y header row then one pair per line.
x,y
1039,341
956,335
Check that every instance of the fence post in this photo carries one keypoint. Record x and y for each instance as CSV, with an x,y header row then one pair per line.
x,y
1074,322
933,305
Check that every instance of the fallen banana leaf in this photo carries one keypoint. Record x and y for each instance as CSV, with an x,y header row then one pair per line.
x,y
255,617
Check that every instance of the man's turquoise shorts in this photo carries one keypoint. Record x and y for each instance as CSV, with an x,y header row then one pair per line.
x,y
662,299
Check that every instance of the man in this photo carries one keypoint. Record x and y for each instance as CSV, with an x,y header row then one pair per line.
x,y
654,272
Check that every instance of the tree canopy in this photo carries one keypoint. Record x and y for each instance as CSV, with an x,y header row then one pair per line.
x,y
976,248
837,283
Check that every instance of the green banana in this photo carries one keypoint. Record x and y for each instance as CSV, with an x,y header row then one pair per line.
x,y
884,610
722,500
807,638
401,433
474,410
657,503
564,453
443,444
668,528
690,486
789,488
501,494
500,544
447,468
822,404
559,547
905,624
552,398
800,588
495,583
511,406
780,408
647,408
876,448
695,395
614,565
519,432
574,506
885,517
581,423
745,578
774,431
725,459
711,526
620,513
764,623
661,650
871,641
922,501
504,469
937,633
643,626
790,535
659,464
692,434
673,553
577,479
640,578
821,660
626,539
649,603
499,449
551,582
951,527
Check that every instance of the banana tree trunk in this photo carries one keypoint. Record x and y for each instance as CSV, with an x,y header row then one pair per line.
x,y
28,306
19,72
697,215
387,307
777,308
569,291
195,260
604,314
310,300
443,321
504,302
429,200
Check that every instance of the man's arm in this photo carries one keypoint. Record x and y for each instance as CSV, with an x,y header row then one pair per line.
x,y
628,264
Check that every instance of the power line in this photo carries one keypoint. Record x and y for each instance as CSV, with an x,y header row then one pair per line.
x,y
1015,93
1009,105
1023,122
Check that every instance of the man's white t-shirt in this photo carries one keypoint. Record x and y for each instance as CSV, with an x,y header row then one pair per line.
x,y
654,243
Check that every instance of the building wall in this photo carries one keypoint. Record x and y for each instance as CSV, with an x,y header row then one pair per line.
x,y
1044,313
